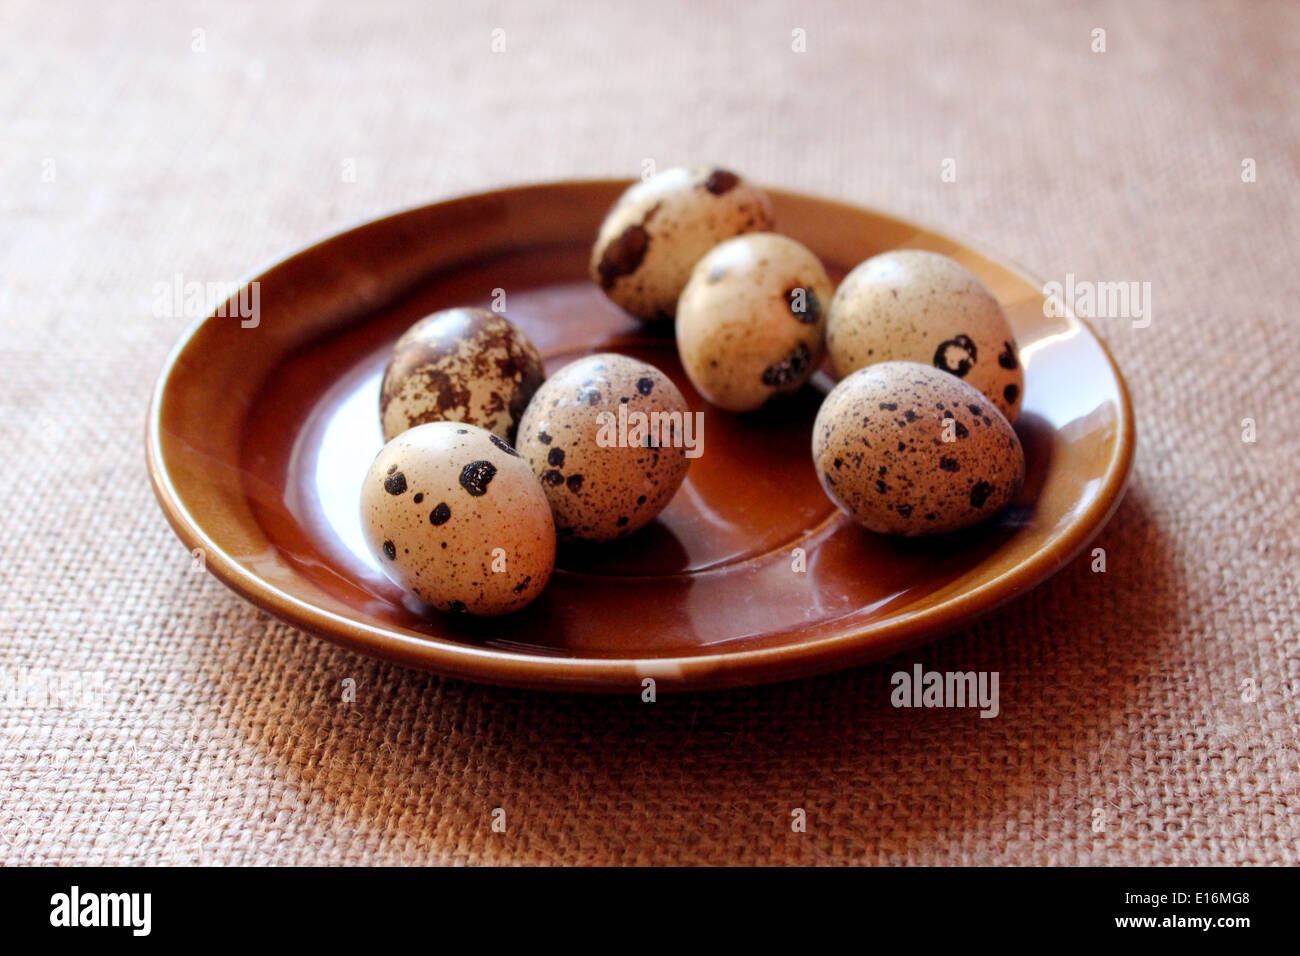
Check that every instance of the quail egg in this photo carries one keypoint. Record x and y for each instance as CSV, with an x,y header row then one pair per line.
x,y
917,306
750,321
459,365
909,450
610,438
659,229
456,518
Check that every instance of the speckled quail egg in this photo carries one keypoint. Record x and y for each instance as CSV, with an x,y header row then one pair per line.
x,y
460,365
907,449
917,306
455,517
609,438
750,322
659,229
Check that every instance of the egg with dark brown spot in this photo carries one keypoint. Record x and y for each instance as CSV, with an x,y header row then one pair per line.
x,y
911,305
750,322
456,518
607,436
660,227
909,450
460,365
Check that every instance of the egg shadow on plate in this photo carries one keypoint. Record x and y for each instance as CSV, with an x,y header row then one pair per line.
x,y
651,550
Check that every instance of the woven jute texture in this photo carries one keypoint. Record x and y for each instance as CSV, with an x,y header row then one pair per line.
x,y
1149,713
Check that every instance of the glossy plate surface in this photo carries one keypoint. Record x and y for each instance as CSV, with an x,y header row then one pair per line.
x,y
259,436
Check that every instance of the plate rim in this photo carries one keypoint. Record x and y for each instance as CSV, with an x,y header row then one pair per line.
x,y
719,670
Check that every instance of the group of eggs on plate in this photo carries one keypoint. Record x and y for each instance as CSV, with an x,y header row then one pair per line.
x,y
488,461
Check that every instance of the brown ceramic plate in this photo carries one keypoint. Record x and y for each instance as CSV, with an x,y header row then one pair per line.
x,y
258,439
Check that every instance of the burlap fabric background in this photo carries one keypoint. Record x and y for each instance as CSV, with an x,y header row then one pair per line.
x,y
1129,730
